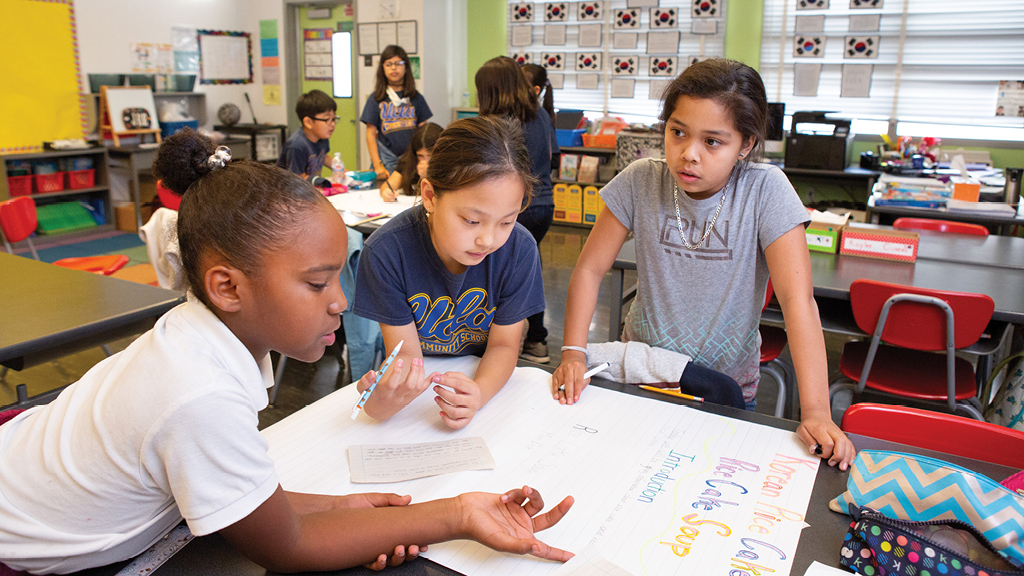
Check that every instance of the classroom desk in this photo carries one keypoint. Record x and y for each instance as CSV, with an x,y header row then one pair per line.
x,y
136,160
852,174
986,271
212,556
1002,223
50,312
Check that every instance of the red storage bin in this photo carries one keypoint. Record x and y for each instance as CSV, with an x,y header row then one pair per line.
x,y
78,179
19,185
49,182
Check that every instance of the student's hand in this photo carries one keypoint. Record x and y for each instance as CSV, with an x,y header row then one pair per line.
x,y
394,393
387,194
825,440
461,403
382,172
570,375
503,522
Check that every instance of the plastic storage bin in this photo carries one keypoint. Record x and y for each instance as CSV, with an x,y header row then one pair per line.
x,y
19,185
49,182
168,128
78,179
570,137
63,217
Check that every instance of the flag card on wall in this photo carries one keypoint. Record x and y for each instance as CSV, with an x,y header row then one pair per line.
x,y
694,59
627,19
588,61
591,11
556,12
662,66
865,4
552,61
521,12
811,4
809,47
861,47
663,18
624,65
522,58
705,9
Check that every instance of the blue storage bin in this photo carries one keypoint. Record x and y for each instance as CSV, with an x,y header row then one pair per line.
x,y
570,137
168,128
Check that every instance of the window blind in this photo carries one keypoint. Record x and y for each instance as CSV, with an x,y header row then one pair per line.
x,y
954,55
617,30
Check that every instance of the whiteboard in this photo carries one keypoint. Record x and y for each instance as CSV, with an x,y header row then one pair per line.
x,y
130,98
224,58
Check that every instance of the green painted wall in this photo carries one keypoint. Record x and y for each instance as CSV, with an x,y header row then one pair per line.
x,y
743,31
485,36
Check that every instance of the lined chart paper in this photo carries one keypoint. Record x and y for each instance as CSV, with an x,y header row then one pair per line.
x,y
659,488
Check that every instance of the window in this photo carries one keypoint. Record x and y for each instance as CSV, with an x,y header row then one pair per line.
x,y
616,42
954,55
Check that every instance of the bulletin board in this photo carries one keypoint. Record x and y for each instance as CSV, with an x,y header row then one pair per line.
x,y
225,57
41,99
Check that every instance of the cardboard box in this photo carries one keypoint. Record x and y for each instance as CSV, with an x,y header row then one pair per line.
x,y
883,244
592,204
966,192
822,237
125,217
572,210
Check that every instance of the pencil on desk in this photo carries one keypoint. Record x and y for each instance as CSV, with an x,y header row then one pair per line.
x,y
672,393
371,219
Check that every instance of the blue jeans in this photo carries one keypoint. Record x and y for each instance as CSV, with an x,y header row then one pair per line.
x,y
537,220
387,157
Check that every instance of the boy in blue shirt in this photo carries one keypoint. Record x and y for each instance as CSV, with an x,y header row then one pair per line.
x,y
305,151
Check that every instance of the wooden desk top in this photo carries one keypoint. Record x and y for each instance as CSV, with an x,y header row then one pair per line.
x,y
48,310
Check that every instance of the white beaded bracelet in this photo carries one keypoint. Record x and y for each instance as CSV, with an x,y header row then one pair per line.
x,y
576,348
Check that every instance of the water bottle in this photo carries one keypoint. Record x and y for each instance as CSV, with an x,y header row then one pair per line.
x,y
337,169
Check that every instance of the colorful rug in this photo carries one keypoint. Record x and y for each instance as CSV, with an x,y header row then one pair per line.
x,y
121,243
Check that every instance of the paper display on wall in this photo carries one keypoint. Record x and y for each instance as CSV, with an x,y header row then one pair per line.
x,y
622,87
367,39
224,57
554,35
1010,98
805,79
624,40
387,35
408,37
316,48
590,36
522,35
663,42
680,491
856,81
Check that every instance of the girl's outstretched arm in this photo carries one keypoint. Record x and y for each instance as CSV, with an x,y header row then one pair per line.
x,y
595,260
789,264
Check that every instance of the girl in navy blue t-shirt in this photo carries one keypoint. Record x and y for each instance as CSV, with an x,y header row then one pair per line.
x,y
456,274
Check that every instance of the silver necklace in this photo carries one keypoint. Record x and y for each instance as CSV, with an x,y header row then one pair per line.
x,y
679,219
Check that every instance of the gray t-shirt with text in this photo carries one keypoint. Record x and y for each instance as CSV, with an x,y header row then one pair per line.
x,y
705,303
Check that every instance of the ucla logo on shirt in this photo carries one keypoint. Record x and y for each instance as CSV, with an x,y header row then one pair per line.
x,y
400,117
447,327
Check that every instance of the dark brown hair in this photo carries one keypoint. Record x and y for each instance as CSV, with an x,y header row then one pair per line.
x,y
735,86
538,76
239,211
502,89
424,137
314,102
480,148
380,92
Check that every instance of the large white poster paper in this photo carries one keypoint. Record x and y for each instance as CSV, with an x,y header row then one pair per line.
x,y
659,488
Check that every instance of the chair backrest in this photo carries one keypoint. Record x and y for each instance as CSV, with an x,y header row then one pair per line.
x,y
18,218
168,199
937,431
916,325
939,226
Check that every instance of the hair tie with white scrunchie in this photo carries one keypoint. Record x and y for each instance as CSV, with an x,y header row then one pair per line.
x,y
220,158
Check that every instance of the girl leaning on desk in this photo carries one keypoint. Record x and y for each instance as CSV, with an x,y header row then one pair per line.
x,y
167,429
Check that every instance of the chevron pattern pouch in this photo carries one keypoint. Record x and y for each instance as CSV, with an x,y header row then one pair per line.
x,y
917,488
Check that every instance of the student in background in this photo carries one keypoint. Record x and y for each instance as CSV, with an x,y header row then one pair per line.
x,y
711,224
393,111
306,149
456,274
537,77
502,90
167,428
412,166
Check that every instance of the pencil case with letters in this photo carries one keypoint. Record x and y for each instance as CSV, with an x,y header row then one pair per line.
x,y
878,545
922,489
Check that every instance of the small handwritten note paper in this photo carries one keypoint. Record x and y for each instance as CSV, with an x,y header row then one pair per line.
x,y
372,464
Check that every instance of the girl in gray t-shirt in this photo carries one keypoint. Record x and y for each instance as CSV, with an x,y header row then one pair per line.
x,y
710,227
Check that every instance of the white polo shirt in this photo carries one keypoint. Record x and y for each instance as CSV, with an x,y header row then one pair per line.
x,y
163,430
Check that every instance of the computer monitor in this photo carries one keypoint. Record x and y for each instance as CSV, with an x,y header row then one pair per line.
x,y
775,137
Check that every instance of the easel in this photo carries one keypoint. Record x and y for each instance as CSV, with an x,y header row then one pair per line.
x,y
105,115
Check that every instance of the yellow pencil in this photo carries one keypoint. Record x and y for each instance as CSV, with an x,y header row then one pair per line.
x,y
672,393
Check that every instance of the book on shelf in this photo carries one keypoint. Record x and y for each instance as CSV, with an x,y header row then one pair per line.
x,y
568,167
588,169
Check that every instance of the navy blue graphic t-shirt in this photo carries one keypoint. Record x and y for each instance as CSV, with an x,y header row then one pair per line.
x,y
401,279
396,123
303,157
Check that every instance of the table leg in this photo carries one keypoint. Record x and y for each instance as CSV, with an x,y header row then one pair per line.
x,y
615,304
136,191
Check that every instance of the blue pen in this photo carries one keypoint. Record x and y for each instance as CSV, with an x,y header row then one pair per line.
x,y
380,374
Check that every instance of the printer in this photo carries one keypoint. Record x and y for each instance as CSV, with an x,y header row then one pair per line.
x,y
817,142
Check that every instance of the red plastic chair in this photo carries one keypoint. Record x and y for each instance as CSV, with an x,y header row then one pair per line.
x,y
937,431
168,199
914,323
18,221
939,226
773,340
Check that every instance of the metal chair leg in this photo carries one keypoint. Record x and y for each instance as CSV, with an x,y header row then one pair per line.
x,y
780,381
